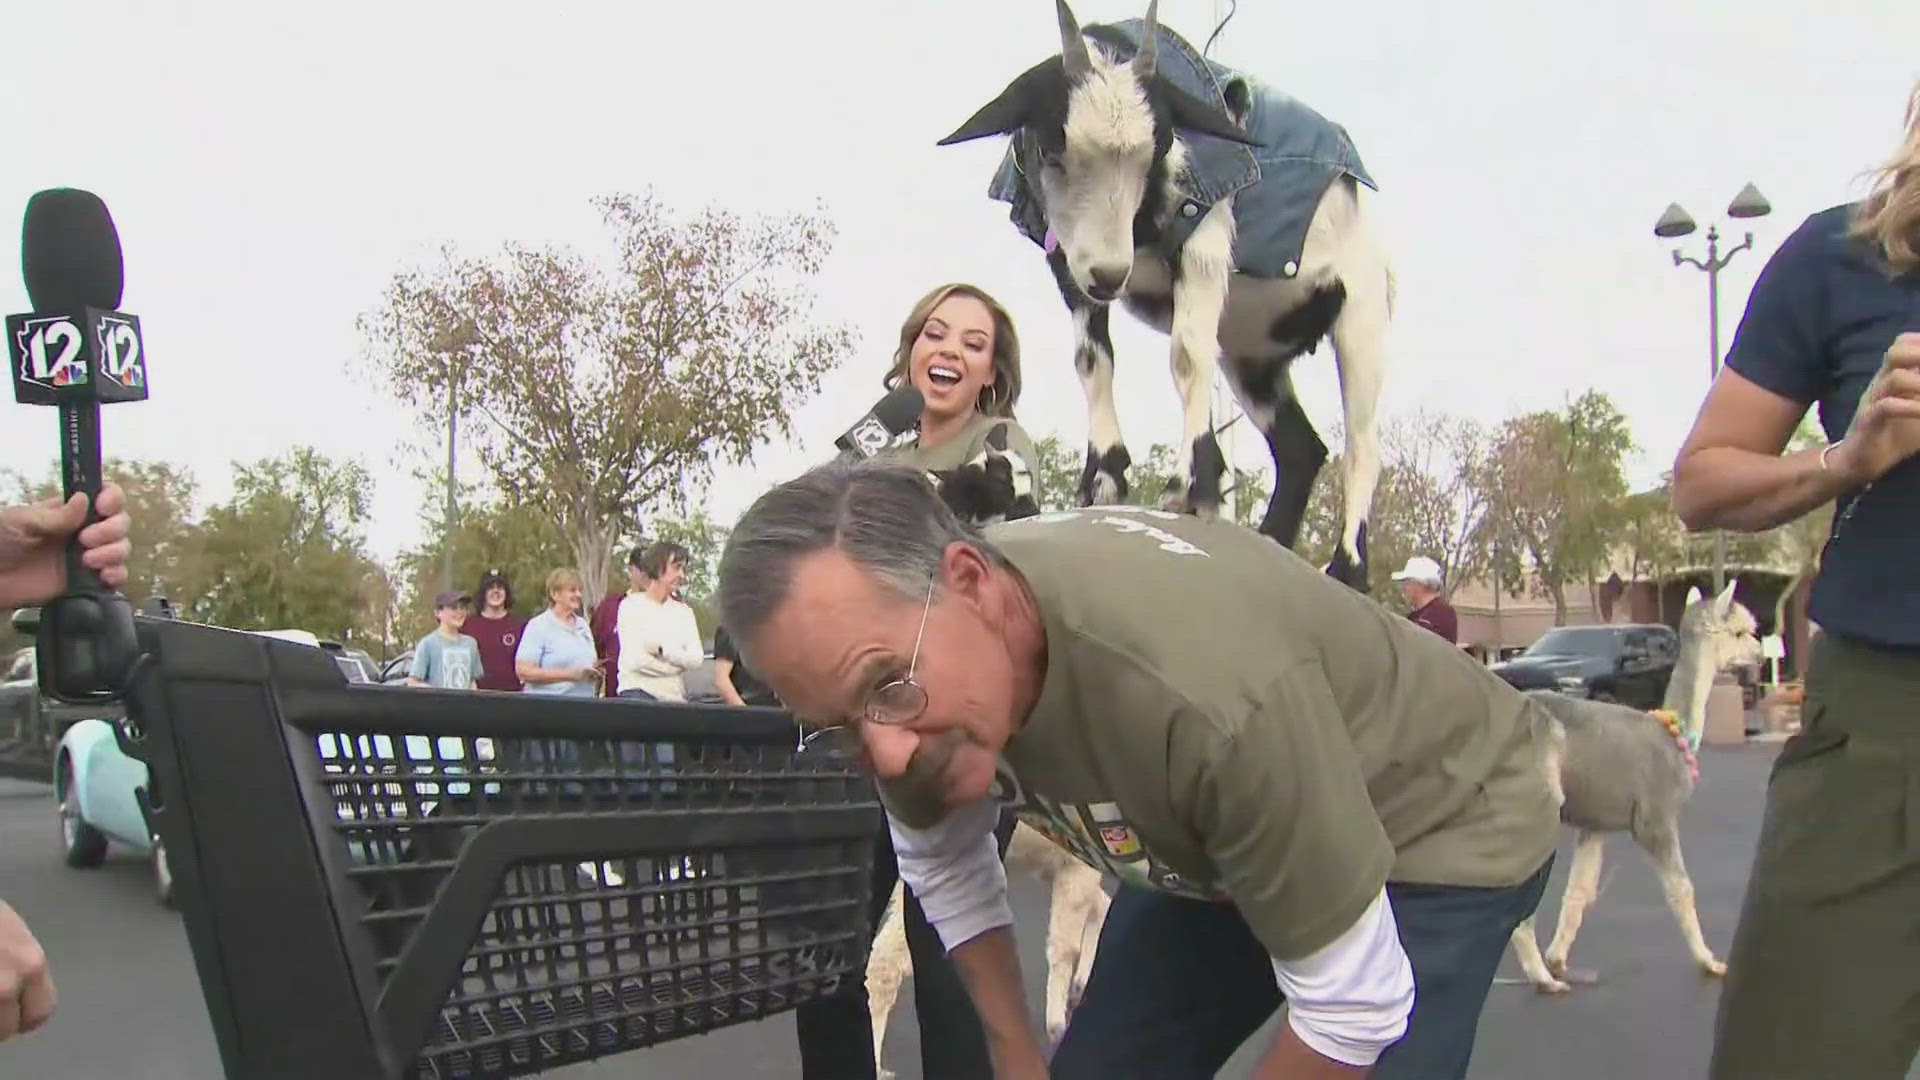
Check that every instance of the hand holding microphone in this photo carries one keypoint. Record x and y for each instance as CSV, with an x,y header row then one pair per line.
x,y
75,351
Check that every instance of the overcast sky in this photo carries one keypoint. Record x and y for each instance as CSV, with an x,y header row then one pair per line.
x,y
270,166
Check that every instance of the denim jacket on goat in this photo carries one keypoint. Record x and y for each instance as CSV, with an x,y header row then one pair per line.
x,y
1276,186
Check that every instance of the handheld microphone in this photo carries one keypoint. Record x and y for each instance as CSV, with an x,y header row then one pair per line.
x,y
75,351
894,414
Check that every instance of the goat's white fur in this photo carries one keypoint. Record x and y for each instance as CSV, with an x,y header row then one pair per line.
x,y
1214,310
1077,908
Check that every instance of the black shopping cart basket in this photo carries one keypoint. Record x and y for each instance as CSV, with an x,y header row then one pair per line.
x,y
383,882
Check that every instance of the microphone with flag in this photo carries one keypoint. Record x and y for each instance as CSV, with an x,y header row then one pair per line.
x,y
895,414
75,351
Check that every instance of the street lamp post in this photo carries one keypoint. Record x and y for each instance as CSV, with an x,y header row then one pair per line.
x,y
451,344
1674,224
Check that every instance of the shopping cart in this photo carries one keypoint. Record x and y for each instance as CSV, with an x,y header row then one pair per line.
x,y
381,882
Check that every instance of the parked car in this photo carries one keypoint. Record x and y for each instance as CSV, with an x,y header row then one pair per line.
x,y
97,786
32,724
1630,663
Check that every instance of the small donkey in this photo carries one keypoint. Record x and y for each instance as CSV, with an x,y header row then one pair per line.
x,y
1218,211
1622,770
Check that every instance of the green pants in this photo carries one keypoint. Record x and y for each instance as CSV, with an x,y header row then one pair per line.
x,y
1823,978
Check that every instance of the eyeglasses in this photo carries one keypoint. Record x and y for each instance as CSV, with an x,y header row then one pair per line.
x,y
897,701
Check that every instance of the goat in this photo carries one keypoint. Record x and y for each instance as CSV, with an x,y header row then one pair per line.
x,y
1077,908
1618,769
1222,213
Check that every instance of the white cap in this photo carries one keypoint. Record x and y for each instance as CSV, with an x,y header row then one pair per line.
x,y
1420,568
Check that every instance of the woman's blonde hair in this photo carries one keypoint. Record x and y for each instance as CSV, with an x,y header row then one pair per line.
x,y
1890,215
1000,394
560,579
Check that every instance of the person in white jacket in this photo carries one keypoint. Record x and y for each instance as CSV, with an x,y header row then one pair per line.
x,y
659,639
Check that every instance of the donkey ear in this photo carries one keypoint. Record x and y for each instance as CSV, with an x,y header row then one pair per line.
x,y
1005,114
1192,114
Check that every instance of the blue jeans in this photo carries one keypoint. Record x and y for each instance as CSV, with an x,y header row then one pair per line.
x,y
1178,985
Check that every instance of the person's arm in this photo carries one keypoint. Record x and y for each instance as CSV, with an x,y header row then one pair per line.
x,y
27,997
421,667
682,648
723,682
1280,803
532,653
1730,472
954,869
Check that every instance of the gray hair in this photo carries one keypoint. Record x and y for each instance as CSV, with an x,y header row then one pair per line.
x,y
885,516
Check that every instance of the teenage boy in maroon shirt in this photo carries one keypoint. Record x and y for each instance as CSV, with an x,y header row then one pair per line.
x,y
498,631
606,620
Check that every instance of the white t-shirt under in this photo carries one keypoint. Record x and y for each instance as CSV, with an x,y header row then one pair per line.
x,y
645,625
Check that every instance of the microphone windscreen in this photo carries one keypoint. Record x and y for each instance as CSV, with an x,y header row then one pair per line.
x,y
901,408
70,252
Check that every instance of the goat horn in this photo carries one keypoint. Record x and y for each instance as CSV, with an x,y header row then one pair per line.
x,y
1073,47
1143,60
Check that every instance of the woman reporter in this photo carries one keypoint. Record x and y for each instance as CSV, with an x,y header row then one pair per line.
x,y
1815,986
958,348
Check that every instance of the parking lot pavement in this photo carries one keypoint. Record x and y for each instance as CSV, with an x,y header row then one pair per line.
x,y
130,1004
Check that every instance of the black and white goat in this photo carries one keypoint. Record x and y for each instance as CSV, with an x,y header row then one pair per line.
x,y
1223,214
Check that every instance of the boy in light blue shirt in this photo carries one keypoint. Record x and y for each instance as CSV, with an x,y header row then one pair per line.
x,y
446,657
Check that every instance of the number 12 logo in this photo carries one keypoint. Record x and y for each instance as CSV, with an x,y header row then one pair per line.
x,y
120,351
51,353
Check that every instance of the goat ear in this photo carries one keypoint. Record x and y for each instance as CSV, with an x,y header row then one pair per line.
x,y
1005,114
1192,114
1694,596
1239,99
1723,604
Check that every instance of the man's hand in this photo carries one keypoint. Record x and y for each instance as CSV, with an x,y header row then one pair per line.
x,y
1886,426
26,987
33,566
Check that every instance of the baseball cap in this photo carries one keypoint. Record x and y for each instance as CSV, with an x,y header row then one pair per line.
x,y
452,598
1419,568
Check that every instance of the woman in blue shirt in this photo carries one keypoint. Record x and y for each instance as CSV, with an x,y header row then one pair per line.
x,y
556,653
1822,980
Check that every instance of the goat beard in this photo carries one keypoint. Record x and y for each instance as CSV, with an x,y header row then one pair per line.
x,y
917,797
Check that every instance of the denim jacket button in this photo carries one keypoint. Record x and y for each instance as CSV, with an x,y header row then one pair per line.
x,y
1190,209
1291,268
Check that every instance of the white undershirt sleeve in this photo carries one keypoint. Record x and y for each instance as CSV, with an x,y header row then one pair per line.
x,y
1350,1001
954,869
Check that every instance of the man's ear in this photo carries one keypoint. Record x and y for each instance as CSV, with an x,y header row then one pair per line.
x,y
965,572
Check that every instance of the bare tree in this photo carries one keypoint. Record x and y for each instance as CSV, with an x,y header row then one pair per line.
x,y
602,396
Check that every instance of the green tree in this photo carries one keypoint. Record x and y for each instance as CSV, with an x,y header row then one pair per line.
x,y
603,395
1554,485
1057,470
288,551
522,540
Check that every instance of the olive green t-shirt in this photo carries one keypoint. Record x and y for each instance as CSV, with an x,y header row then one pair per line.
x,y
982,432
1220,719
985,437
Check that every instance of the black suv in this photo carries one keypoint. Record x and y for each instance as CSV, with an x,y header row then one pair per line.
x,y
1628,663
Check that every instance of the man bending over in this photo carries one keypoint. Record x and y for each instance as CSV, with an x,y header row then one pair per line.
x,y
1306,797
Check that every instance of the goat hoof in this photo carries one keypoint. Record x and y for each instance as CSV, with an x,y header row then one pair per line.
x,y
1713,967
1102,490
1553,986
